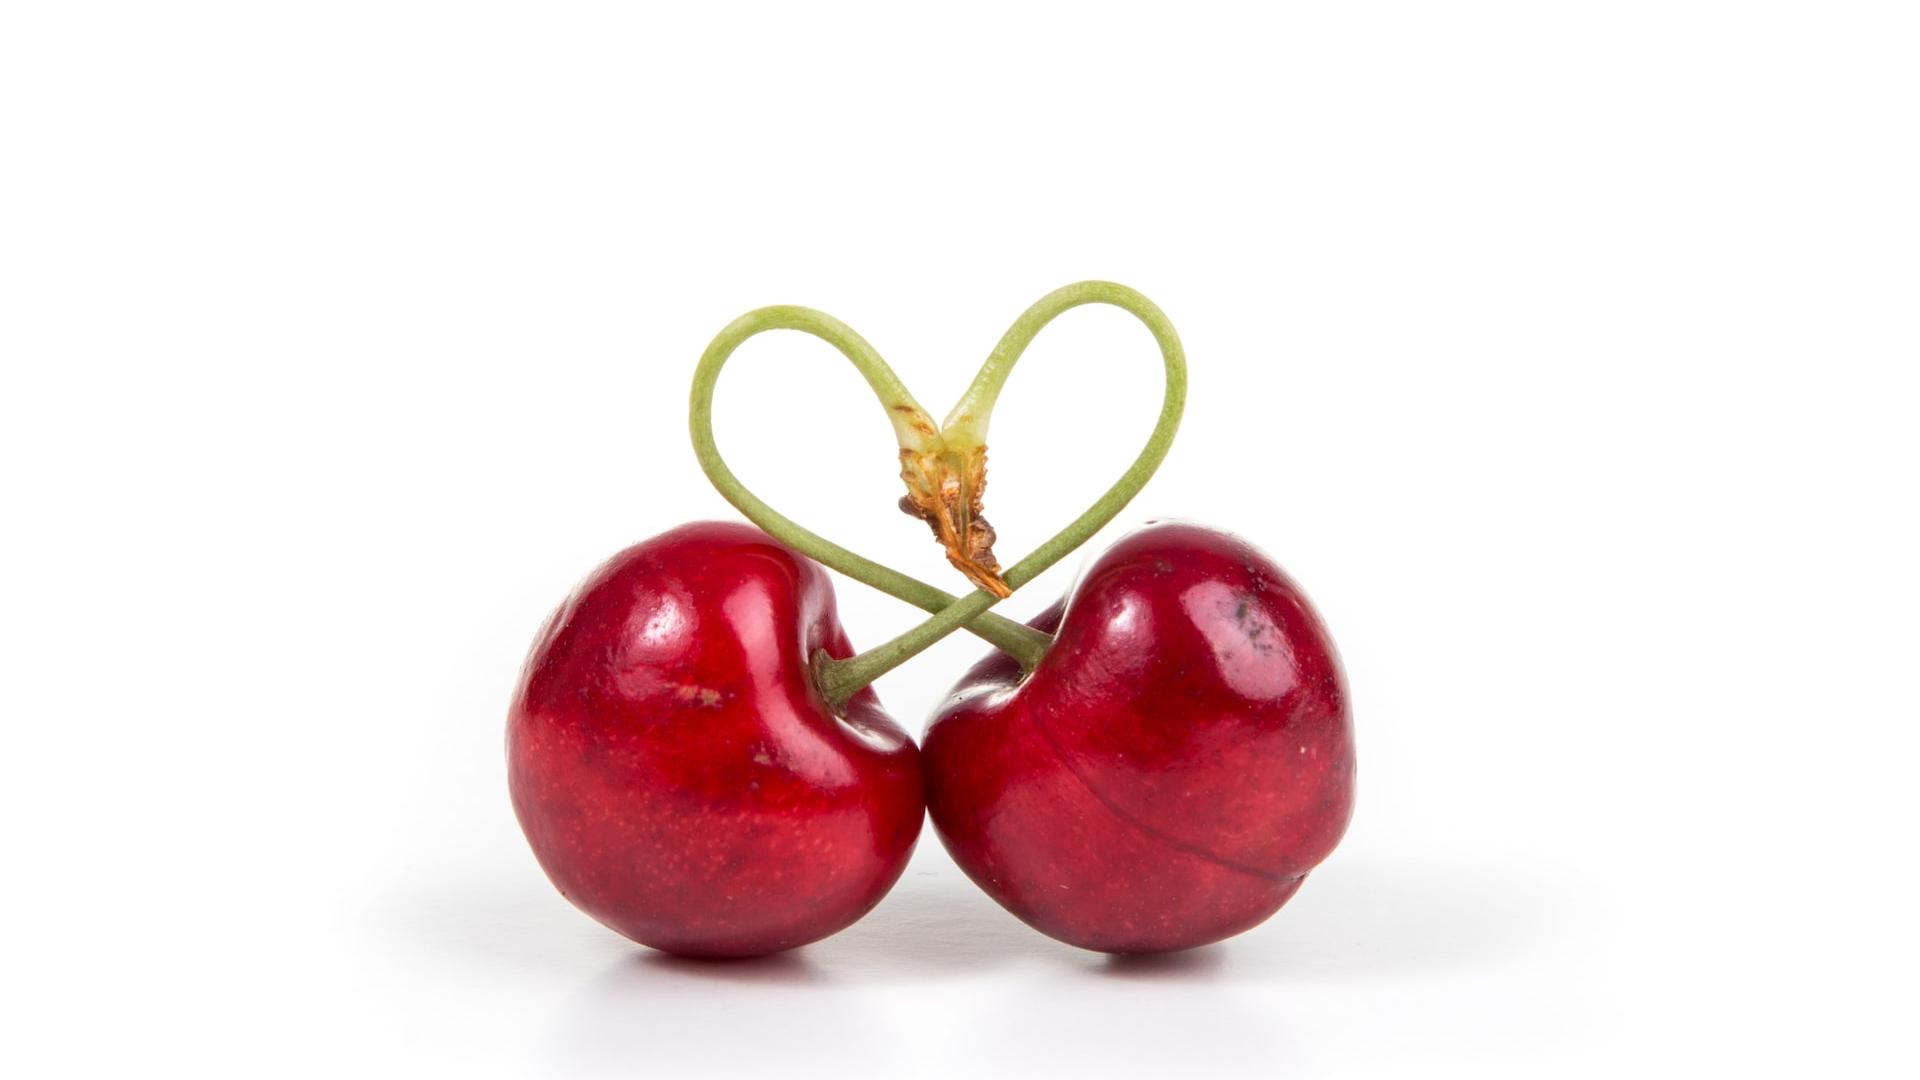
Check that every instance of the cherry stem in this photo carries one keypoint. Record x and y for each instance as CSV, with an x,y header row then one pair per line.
x,y
914,429
839,680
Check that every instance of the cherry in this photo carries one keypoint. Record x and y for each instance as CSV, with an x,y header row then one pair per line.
x,y
675,768
1172,768
698,761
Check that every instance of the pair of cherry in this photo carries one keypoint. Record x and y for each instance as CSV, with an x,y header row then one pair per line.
x,y
1153,763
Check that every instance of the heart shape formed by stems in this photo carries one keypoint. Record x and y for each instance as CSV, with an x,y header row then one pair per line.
x,y
962,435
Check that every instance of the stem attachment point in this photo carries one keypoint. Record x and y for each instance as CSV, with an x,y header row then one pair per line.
x,y
945,489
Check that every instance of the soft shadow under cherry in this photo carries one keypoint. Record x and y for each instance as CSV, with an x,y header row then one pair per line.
x,y
1185,964
789,968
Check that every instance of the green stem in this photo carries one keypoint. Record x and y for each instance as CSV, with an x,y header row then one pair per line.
x,y
839,680
912,427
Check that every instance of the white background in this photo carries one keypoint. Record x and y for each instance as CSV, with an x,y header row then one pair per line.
x,y
1566,354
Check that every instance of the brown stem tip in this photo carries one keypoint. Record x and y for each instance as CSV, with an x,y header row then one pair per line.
x,y
944,489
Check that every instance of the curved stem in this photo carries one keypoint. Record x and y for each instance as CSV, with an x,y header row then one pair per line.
x,y
912,427
841,679
976,408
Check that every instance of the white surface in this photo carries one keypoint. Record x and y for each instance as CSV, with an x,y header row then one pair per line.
x,y
1566,354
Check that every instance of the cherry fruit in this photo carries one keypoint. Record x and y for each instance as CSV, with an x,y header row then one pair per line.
x,y
675,768
699,763
1174,766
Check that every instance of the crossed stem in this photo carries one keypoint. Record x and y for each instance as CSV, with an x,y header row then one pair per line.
x,y
964,431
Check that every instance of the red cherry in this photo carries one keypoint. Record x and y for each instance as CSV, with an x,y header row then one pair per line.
x,y
677,773
1174,766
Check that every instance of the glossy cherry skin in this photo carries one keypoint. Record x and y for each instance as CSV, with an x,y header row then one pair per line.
x,y
677,773
1174,766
